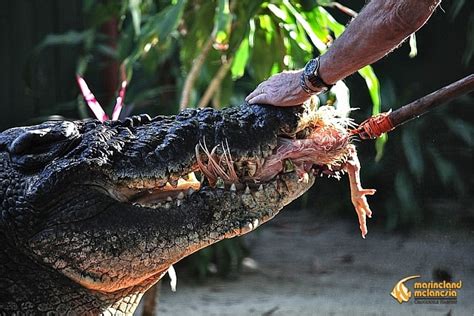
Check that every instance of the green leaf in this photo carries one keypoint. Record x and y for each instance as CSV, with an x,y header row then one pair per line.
x,y
295,40
335,26
222,22
168,20
260,59
240,59
456,8
323,21
462,129
409,209
157,29
200,24
373,85
68,38
413,153
379,146
134,6
446,170
469,50
320,45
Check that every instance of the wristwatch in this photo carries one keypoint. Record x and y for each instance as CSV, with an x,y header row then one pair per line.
x,y
311,82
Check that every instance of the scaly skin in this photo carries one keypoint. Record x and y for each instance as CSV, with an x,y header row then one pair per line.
x,y
76,235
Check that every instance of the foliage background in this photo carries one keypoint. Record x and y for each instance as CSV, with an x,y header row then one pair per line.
x,y
425,174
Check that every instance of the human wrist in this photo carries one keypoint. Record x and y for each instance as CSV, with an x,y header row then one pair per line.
x,y
311,81
306,86
326,73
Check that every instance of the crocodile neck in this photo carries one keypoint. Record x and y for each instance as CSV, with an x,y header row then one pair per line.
x,y
28,287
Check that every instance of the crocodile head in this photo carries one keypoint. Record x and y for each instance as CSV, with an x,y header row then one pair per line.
x,y
110,206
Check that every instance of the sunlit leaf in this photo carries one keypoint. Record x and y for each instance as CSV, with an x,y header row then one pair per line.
x,y
295,38
240,60
262,64
326,20
222,22
380,146
320,45
373,85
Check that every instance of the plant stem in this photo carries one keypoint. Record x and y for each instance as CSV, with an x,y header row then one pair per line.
x,y
215,83
344,9
198,62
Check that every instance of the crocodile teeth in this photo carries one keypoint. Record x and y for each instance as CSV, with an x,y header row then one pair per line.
x,y
169,199
220,183
255,223
190,191
178,203
247,190
173,182
260,187
305,178
180,195
192,177
233,188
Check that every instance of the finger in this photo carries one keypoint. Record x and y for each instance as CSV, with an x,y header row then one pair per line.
x,y
368,191
369,212
255,92
260,99
252,95
362,221
363,225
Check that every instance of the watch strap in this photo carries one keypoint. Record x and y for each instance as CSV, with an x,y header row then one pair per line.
x,y
314,78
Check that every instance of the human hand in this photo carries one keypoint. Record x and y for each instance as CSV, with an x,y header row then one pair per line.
x,y
282,89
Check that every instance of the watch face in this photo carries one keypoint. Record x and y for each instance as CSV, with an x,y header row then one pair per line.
x,y
311,67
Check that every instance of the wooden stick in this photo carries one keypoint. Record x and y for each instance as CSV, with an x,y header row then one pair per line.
x,y
376,125
421,106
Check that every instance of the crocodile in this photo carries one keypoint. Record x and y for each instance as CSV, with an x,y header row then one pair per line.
x,y
94,213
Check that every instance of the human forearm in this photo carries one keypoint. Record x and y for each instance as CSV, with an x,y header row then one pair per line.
x,y
379,28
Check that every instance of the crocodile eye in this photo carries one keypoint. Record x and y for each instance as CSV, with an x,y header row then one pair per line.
x,y
38,146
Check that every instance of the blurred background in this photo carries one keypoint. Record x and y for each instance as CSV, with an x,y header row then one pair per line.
x,y
177,54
